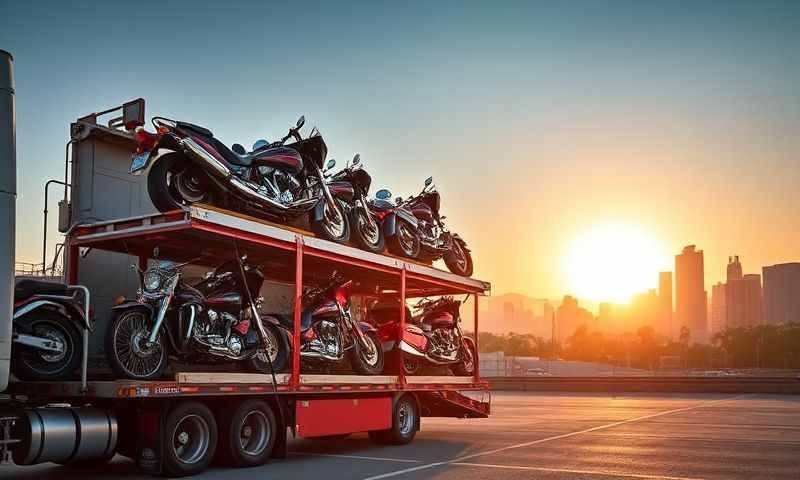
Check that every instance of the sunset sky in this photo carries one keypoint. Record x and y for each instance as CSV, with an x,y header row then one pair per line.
x,y
542,123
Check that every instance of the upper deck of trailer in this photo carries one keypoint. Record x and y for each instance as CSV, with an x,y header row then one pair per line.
x,y
204,235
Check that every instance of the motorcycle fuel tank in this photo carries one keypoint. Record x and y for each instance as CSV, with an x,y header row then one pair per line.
x,y
423,211
226,301
415,337
281,158
439,320
326,310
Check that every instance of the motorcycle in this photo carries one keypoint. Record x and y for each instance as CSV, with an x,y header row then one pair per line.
x,y
185,164
215,320
47,328
328,331
435,240
398,224
366,227
432,337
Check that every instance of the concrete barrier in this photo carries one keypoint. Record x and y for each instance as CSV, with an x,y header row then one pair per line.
x,y
783,385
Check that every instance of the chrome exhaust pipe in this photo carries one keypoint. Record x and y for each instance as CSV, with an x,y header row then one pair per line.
x,y
246,189
406,348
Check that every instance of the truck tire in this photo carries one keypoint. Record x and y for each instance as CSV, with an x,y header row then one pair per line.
x,y
189,439
247,434
405,422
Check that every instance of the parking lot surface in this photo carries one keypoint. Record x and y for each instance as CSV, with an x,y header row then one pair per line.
x,y
548,436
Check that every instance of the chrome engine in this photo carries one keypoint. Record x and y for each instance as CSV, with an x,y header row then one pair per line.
x,y
444,344
278,185
215,331
328,343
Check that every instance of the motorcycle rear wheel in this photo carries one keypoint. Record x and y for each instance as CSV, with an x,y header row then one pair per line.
x,y
30,364
173,184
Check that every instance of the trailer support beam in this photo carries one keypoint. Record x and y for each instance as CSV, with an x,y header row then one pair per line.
x,y
298,305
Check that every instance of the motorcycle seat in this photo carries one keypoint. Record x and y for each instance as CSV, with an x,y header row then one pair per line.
x,y
27,288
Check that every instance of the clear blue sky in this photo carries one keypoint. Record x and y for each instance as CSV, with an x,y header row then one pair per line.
x,y
536,118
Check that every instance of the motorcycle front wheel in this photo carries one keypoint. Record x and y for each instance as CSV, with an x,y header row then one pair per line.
x,y
126,347
173,183
404,242
28,363
367,361
367,237
334,224
275,350
459,260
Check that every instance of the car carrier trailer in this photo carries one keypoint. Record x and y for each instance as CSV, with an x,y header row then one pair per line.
x,y
176,426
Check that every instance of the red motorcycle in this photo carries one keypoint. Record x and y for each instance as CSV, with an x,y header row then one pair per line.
x,y
431,337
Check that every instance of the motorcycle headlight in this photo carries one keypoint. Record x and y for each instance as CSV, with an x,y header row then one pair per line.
x,y
151,281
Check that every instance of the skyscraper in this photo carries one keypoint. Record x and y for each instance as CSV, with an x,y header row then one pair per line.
x,y
665,304
782,293
718,310
690,294
742,296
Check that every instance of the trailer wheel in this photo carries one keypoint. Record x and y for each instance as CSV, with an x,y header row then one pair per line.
x,y
248,434
405,419
189,439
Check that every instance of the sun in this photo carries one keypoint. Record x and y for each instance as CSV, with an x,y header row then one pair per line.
x,y
610,263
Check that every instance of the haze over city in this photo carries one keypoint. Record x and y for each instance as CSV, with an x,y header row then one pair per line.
x,y
604,144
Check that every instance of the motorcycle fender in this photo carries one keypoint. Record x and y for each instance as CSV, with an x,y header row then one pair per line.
x,y
408,217
131,305
342,190
67,309
270,320
470,341
152,158
390,225
457,238
319,210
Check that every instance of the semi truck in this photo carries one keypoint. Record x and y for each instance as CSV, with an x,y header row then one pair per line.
x,y
177,425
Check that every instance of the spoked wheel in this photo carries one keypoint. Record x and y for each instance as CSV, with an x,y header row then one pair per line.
x,y
189,436
334,224
29,363
174,183
275,350
367,230
129,353
405,241
411,364
405,422
459,260
248,434
369,360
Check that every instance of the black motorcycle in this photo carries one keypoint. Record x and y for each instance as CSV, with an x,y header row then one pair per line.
x,y
47,330
328,331
213,321
276,181
435,240
366,227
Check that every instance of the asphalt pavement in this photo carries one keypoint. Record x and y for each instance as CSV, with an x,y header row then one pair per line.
x,y
548,436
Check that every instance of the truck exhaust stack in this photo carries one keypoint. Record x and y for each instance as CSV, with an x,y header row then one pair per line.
x,y
8,194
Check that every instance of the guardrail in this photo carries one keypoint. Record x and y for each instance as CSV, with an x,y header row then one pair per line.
x,y
784,385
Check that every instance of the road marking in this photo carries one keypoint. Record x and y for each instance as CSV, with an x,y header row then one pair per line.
x,y
356,457
573,471
550,439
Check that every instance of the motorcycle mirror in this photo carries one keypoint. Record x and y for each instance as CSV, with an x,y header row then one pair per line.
x,y
357,159
383,194
260,143
238,149
301,121
428,181
331,163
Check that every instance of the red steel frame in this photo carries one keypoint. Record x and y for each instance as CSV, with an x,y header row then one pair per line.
x,y
300,250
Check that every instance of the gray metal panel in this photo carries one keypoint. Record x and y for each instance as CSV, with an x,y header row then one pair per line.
x,y
8,193
104,190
